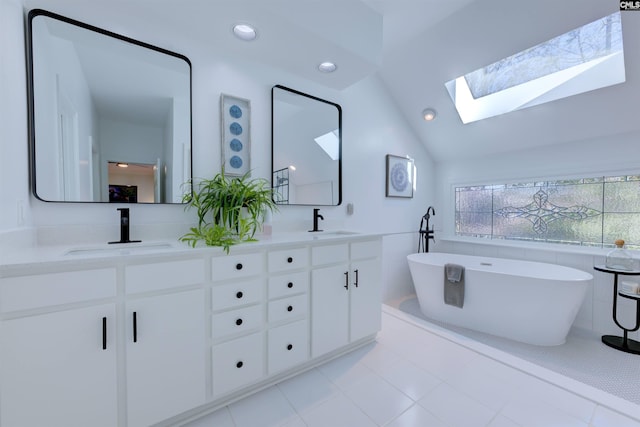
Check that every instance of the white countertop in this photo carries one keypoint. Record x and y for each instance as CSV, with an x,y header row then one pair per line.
x,y
37,256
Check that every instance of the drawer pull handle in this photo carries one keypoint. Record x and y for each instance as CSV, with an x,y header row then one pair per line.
x,y
346,280
135,327
104,333
356,283
290,285
239,266
290,308
290,347
239,364
239,295
290,260
239,322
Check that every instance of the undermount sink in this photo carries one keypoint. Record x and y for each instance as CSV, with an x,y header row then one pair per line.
x,y
329,234
120,248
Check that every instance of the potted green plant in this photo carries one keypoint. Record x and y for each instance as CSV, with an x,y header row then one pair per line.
x,y
230,209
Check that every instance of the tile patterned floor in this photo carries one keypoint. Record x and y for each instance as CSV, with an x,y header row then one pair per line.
x,y
583,357
413,377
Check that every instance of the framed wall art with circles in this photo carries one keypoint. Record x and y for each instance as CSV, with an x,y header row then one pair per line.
x,y
400,176
235,122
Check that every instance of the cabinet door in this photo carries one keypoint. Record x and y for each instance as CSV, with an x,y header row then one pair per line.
x,y
55,372
329,309
165,356
366,308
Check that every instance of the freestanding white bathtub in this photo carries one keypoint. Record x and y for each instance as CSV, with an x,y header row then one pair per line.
x,y
531,302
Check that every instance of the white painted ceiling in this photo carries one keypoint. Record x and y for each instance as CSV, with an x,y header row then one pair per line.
x,y
414,46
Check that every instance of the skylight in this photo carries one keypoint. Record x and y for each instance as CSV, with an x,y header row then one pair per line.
x,y
330,143
584,59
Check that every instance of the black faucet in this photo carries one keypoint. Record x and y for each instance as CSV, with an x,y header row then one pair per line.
x,y
316,215
124,227
427,233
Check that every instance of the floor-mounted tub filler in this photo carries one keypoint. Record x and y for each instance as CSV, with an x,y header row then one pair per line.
x,y
531,302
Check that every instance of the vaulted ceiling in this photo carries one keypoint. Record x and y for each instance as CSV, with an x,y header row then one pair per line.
x,y
414,46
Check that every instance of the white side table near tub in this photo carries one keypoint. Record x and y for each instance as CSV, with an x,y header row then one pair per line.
x,y
623,343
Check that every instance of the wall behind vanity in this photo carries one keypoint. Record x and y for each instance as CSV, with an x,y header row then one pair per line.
x,y
372,128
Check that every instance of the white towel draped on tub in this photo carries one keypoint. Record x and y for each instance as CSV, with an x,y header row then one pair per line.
x,y
454,285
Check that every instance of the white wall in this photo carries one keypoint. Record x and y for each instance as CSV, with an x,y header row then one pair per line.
x,y
372,128
14,176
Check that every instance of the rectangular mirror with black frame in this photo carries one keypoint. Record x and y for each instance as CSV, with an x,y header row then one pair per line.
x,y
306,149
106,112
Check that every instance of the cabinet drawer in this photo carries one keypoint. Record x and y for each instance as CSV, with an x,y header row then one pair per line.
x,y
236,294
288,346
329,254
243,320
289,284
362,250
288,259
236,266
42,290
158,276
288,308
237,363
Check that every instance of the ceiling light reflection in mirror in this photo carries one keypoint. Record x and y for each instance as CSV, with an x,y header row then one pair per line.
x,y
581,60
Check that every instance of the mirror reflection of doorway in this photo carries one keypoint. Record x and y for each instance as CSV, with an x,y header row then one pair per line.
x,y
133,182
68,150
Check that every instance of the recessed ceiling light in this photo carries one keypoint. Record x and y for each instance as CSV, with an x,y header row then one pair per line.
x,y
428,114
327,67
245,32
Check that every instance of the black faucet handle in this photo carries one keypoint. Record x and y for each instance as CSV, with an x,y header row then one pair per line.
x,y
124,227
316,217
124,216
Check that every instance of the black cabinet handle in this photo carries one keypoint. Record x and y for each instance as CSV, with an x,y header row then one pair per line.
x,y
290,260
290,285
290,308
356,283
135,327
239,364
104,333
290,347
239,294
346,280
239,266
239,322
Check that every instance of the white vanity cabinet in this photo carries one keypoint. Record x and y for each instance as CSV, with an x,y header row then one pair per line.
x,y
365,315
165,339
345,294
237,320
288,308
152,339
58,357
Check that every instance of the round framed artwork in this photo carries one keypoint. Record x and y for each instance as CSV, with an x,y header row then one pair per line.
x,y
400,176
236,139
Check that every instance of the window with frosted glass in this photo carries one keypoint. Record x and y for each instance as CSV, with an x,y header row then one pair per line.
x,y
587,211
